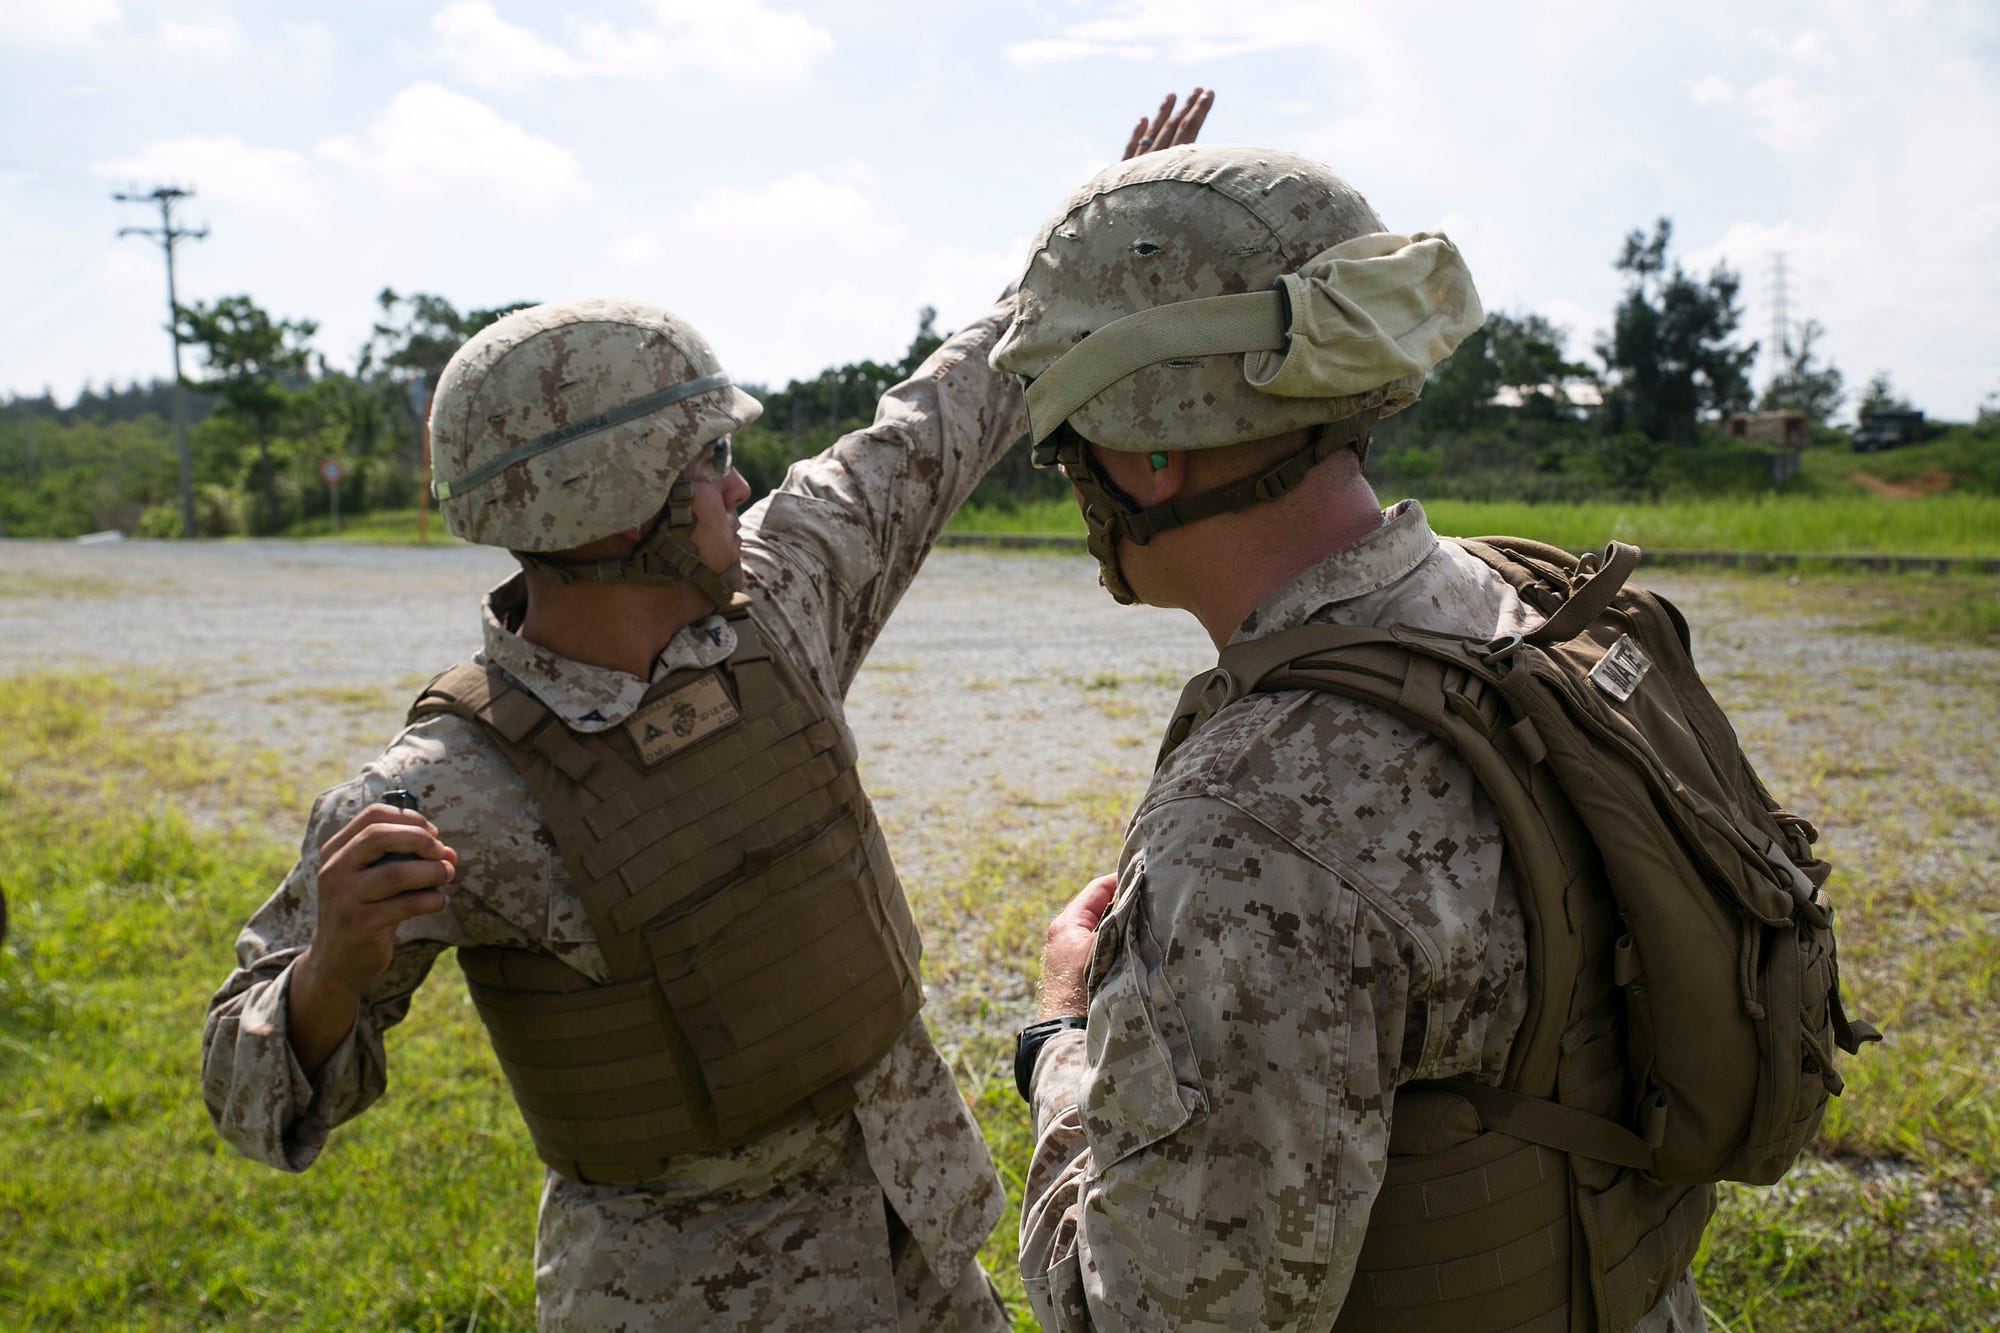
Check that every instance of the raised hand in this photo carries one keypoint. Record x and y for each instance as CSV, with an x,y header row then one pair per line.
x,y
1168,127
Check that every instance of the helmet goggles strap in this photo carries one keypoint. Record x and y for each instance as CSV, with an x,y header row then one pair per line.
x,y
664,556
1109,514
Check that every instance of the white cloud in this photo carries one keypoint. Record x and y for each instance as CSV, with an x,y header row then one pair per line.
x,y
210,36
309,52
1712,90
747,42
484,49
69,23
637,250
1811,49
1064,50
223,168
1186,32
824,325
1785,118
799,211
432,141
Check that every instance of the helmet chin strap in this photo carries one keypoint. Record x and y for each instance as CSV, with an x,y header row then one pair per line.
x,y
1110,515
664,556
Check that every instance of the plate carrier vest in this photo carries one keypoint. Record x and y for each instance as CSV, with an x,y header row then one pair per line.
x,y
761,952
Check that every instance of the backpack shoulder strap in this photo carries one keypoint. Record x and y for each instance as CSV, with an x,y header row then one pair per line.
x,y
1440,684
1582,587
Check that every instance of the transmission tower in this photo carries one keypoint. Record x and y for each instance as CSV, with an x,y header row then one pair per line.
x,y
168,236
1781,317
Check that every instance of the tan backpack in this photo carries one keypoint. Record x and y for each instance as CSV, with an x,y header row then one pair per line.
x,y
1610,765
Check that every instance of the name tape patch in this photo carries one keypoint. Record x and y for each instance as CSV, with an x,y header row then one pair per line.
x,y
667,726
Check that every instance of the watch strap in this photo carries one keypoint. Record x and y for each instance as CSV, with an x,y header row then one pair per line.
x,y
1028,1047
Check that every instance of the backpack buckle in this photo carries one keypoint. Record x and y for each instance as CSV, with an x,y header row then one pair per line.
x,y
1794,882
1498,650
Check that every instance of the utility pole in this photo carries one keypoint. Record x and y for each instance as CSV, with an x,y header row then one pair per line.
x,y
168,236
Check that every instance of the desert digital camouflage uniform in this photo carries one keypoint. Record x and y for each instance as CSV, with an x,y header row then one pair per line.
x,y
1312,909
871,1221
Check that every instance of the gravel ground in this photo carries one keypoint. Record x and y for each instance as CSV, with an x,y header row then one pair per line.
x,y
1003,679
998,674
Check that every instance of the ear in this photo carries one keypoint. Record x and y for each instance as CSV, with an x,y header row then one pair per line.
x,y
1135,474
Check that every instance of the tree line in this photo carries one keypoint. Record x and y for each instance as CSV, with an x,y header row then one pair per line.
x,y
1509,415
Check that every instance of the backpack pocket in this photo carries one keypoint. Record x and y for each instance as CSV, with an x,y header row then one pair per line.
x,y
1796,976
1639,1237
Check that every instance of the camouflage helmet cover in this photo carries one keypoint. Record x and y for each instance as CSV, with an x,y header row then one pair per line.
x,y
569,421
1198,222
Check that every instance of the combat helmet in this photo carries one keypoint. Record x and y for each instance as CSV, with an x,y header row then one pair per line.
x,y
1207,296
570,421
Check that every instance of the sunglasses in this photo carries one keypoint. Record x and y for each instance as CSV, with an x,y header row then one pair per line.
x,y
714,462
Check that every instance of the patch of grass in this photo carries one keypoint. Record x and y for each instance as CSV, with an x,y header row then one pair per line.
x,y
122,1208
983,942
1028,516
1826,525
1841,1246
1949,524
1955,613
375,700
1950,610
382,527
73,588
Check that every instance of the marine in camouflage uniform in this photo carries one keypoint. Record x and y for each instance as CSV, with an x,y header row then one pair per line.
x,y
870,1219
1312,907
864,1218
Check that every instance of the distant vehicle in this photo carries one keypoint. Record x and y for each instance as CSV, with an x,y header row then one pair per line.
x,y
1886,430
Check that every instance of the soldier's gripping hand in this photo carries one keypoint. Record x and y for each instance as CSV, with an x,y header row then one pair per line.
x,y
1066,950
362,899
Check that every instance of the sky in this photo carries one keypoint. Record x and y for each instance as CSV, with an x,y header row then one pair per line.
x,y
798,179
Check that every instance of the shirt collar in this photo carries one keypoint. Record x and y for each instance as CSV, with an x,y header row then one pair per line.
x,y
588,698
1382,558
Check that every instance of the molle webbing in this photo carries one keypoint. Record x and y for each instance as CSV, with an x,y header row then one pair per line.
x,y
760,950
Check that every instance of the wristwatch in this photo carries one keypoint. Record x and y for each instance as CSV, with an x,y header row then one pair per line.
x,y
1028,1045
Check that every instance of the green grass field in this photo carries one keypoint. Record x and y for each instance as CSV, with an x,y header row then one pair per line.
x,y
125,885
1949,524
385,527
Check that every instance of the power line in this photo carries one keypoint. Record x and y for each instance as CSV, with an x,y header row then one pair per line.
x,y
168,236
60,287
71,179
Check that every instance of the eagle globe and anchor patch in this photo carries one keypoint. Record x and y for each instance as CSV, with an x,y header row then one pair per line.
x,y
669,725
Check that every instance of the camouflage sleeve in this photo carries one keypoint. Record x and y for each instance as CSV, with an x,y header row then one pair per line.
x,y
831,551
259,1098
1229,1125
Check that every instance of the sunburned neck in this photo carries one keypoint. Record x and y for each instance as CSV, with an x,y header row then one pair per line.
x,y
620,626
1271,544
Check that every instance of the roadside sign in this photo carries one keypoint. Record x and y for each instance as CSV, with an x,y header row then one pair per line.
x,y
331,472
